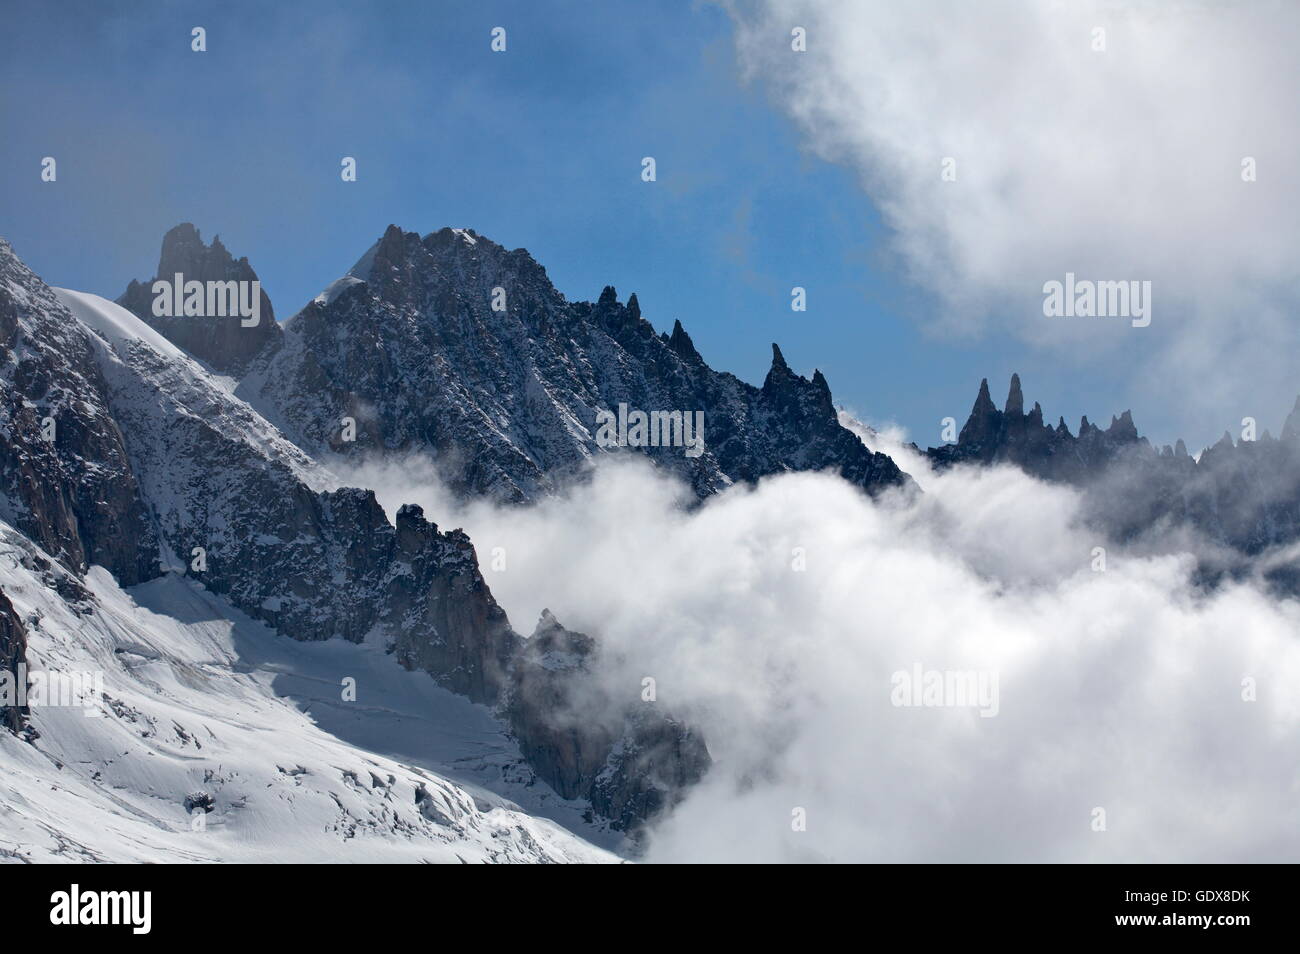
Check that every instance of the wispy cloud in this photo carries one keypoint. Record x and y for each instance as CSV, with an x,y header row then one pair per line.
x,y
1097,138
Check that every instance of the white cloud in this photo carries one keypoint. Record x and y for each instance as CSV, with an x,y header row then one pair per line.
x,y
1119,690
1122,164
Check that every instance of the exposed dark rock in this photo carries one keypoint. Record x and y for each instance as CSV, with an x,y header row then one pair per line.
x,y
653,764
680,342
629,759
203,800
13,653
1011,436
505,402
74,495
1244,495
234,505
221,342
1015,406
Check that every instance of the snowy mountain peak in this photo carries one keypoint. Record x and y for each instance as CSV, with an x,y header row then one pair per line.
x,y
157,472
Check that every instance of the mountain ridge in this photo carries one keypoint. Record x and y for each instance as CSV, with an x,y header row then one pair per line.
x,y
454,346
1243,495
218,495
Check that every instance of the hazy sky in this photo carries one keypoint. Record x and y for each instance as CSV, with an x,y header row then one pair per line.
x,y
775,169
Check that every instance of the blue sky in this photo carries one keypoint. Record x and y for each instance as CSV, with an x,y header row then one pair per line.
x,y
538,147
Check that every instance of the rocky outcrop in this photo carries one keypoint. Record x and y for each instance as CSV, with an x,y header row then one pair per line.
x,y
654,762
217,494
222,342
65,480
13,654
241,510
631,761
1243,495
1013,436
455,347
441,613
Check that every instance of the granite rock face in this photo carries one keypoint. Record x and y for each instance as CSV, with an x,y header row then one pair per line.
x,y
631,761
223,343
65,478
155,467
13,653
455,347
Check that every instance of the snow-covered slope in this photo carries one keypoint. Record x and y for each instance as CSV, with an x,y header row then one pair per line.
x,y
160,475
201,701
157,376
238,507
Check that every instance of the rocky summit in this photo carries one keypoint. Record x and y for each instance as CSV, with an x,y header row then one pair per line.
x,y
162,440
221,341
454,347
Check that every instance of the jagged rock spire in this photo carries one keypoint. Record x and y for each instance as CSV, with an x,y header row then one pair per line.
x,y
790,389
681,342
822,393
1015,398
222,342
780,379
984,418
778,359
1291,429
1122,427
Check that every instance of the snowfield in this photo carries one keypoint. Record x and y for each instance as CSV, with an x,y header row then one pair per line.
x,y
142,365
202,703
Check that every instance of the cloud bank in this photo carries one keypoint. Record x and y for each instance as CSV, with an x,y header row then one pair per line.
x,y
1119,690
1120,163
